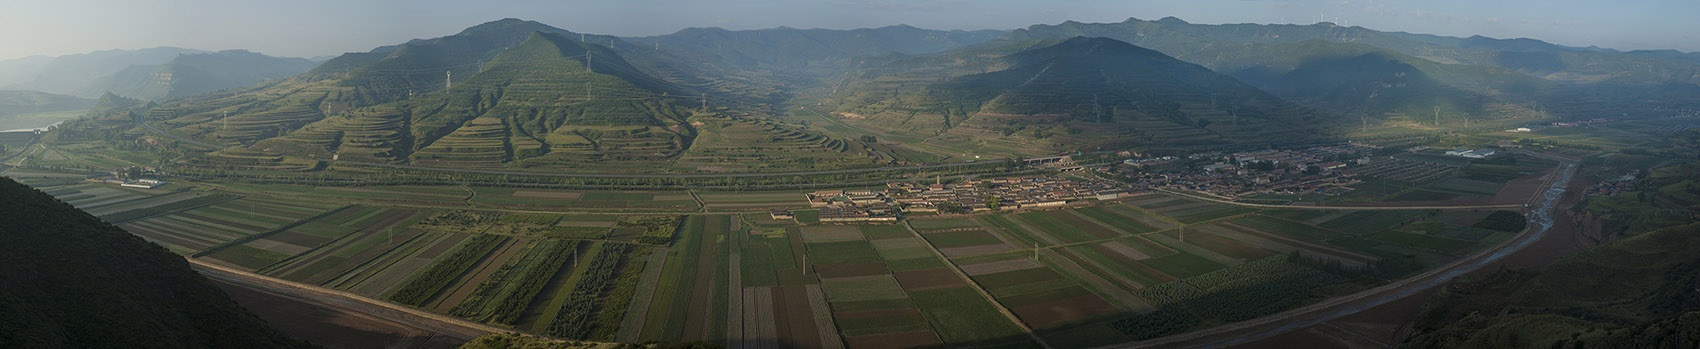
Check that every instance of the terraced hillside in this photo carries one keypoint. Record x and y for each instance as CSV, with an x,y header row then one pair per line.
x,y
1080,93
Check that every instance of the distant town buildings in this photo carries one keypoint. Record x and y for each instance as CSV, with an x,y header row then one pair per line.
x,y
1471,153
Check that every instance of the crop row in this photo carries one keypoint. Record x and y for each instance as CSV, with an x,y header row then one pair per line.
x,y
428,284
574,318
657,230
180,205
585,233
1268,286
512,306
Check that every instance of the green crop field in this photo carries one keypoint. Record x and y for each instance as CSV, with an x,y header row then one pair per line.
x,y
1051,223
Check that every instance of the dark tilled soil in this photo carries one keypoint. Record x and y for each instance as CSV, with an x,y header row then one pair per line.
x,y
918,280
850,270
330,327
1062,310
894,340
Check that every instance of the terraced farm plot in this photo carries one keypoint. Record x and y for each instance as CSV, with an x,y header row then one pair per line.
x,y
479,143
730,145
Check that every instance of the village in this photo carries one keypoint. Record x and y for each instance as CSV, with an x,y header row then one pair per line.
x,y
983,195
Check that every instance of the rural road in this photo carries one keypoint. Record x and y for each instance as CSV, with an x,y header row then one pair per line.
x,y
1351,208
1541,220
352,303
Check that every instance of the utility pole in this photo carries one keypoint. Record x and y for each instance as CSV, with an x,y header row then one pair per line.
x,y
1097,110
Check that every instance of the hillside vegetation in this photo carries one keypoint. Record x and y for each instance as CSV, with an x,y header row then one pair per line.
x,y
69,280
1636,292
1077,94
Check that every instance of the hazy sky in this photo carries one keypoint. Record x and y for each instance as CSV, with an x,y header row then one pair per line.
x,y
306,28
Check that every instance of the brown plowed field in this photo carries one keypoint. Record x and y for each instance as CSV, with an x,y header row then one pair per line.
x,y
894,340
920,280
1062,310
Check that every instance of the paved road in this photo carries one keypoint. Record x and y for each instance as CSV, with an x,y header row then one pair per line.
x,y
1348,208
1540,221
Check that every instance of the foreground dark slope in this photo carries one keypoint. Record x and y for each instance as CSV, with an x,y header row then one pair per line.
x,y
1638,292
68,279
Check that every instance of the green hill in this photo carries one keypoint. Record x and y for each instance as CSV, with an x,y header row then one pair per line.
x,y
805,54
31,102
535,103
1041,96
192,74
66,74
72,281
1571,82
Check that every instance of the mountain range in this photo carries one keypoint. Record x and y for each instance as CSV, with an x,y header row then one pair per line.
x,y
152,74
520,94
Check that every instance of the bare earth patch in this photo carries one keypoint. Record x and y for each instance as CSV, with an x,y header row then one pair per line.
x,y
554,195
1000,266
964,251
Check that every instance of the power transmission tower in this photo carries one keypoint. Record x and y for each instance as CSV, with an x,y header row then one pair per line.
x,y
1437,115
587,90
705,102
587,60
448,79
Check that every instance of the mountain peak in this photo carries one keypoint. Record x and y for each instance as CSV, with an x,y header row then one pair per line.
x,y
508,26
1172,20
1086,46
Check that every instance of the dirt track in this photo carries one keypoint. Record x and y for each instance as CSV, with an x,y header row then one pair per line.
x,y
339,319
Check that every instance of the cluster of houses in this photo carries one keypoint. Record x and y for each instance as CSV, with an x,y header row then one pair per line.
x,y
1613,187
1001,194
1315,170
1472,153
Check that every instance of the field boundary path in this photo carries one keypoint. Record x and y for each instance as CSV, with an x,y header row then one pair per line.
x,y
954,269
1541,220
1346,208
439,324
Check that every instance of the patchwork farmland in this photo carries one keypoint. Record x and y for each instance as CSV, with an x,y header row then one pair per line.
x,y
636,266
